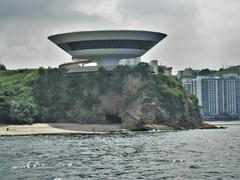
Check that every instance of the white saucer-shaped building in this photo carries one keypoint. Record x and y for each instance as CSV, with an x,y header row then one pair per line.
x,y
107,48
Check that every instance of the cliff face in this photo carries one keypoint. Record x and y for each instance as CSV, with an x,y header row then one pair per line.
x,y
128,96
131,97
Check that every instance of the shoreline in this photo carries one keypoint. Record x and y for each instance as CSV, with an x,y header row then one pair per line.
x,y
57,129
235,122
75,129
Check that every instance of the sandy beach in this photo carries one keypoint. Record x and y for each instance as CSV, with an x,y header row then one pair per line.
x,y
57,128
72,128
236,122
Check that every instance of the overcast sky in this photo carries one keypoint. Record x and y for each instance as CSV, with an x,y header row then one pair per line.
x,y
201,33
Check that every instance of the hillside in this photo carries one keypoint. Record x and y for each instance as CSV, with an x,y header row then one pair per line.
x,y
229,70
132,97
16,102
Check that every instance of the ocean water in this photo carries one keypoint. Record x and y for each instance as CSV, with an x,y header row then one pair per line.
x,y
188,154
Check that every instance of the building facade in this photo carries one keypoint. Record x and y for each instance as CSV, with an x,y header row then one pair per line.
x,y
130,61
156,69
106,48
187,73
219,97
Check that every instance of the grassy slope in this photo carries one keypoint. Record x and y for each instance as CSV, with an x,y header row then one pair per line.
x,y
15,89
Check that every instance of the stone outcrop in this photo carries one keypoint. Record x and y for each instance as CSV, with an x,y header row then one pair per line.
x,y
132,97
144,114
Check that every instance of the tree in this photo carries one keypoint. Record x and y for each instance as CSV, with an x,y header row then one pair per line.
x,y
142,68
3,67
204,72
4,111
161,69
41,70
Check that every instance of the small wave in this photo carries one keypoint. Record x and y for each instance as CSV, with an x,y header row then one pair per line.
x,y
57,178
214,172
194,167
69,164
29,165
164,160
178,160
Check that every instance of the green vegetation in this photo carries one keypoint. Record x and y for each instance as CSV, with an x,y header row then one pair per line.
x,y
229,70
16,102
4,111
52,95
169,93
206,72
67,96
2,67
220,72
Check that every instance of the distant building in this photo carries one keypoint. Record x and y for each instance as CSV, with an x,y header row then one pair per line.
x,y
130,61
156,69
187,73
187,84
219,97
166,70
154,66
186,77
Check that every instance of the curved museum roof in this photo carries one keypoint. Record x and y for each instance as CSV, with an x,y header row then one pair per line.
x,y
107,47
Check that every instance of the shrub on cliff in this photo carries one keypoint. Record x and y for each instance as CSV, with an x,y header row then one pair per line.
x,y
142,68
2,67
4,111
15,91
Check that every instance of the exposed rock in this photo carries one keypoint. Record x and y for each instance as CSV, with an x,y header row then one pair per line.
x,y
157,127
208,126
145,114
132,97
142,112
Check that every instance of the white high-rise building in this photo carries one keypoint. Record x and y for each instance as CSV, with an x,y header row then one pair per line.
x,y
219,97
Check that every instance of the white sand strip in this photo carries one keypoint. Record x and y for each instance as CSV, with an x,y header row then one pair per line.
x,y
237,122
57,128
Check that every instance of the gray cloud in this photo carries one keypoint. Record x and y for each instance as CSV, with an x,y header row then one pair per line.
x,y
200,33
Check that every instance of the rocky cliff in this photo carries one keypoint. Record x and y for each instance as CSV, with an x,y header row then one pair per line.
x,y
132,97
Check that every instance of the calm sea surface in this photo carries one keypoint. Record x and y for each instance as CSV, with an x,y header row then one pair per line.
x,y
192,154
